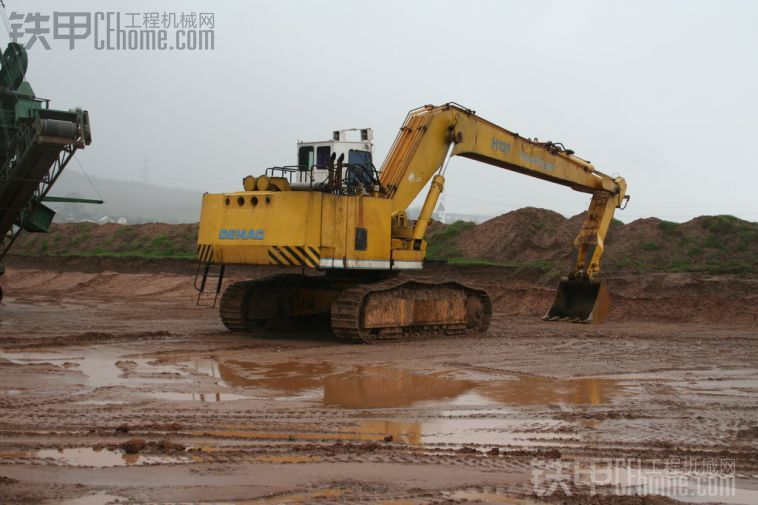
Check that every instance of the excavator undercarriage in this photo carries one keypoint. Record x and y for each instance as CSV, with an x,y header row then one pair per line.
x,y
356,309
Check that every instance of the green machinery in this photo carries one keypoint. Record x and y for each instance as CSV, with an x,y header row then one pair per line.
x,y
36,144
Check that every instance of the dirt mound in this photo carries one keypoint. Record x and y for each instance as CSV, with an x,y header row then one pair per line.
x,y
534,238
542,238
151,240
526,235
715,244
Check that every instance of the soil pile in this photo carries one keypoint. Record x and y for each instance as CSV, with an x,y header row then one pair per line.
x,y
715,244
530,238
542,238
526,235
151,240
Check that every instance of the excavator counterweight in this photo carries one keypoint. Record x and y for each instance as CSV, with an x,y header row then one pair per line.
x,y
336,215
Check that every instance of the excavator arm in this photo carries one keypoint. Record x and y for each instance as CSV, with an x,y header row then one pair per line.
x,y
431,135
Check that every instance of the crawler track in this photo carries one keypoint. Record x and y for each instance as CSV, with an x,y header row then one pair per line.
x,y
230,309
395,308
350,311
251,306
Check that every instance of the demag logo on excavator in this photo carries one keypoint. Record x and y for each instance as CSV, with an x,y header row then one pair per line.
x,y
225,234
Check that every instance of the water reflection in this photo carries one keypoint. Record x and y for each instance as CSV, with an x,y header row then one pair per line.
x,y
372,387
539,390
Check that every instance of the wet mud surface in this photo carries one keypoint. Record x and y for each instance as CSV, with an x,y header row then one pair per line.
x,y
116,388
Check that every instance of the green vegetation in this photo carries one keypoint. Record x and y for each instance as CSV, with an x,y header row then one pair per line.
x,y
161,245
443,244
668,227
541,265
634,264
132,254
649,246
709,244
725,225
90,240
460,260
713,267
713,242
729,232
694,251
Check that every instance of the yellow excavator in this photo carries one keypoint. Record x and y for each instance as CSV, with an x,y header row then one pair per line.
x,y
345,222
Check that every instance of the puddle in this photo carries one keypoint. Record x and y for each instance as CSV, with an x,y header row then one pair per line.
x,y
15,454
373,387
83,456
479,496
305,497
289,376
401,432
364,387
453,431
356,387
379,387
101,498
288,459
208,367
99,370
24,358
103,458
459,431
101,402
724,386
538,390
327,495
198,397
360,433
710,382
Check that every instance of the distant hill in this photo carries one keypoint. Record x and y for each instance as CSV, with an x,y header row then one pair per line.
x,y
528,237
136,201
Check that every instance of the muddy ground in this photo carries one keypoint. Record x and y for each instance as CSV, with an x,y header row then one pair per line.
x,y
116,388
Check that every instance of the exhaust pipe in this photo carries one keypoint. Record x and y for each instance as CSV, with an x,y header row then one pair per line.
x,y
580,301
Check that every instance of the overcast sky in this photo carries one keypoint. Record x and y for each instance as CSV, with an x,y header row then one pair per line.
x,y
663,92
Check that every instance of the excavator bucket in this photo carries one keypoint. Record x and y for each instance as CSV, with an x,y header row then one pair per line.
x,y
581,301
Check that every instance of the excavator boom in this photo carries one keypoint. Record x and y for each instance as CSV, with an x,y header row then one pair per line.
x,y
431,135
421,145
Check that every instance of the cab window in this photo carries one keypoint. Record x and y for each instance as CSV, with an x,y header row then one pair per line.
x,y
322,156
355,157
305,157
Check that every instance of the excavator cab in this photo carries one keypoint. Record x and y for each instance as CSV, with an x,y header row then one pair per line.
x,y
580,300
353,155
